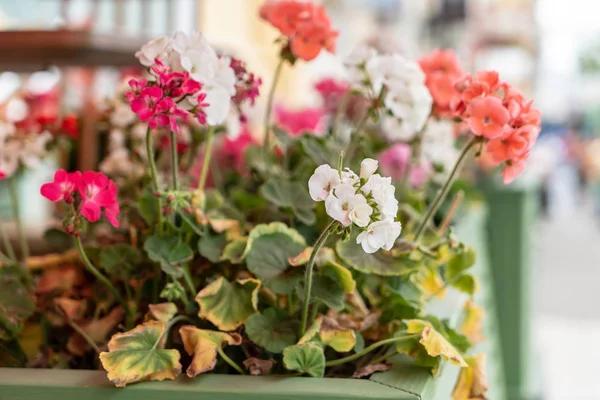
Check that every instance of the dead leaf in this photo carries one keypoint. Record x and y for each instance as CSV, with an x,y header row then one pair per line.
x,y
223,225
203,345
256,366
60,279
472,326
162,312
369,370
434,343
472,382
98,330
70,309
432,283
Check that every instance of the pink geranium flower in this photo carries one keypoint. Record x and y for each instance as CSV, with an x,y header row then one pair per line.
x,y
394,161
146,103
96,193
62,188
513,145
295,123
487,117
512,169
111,213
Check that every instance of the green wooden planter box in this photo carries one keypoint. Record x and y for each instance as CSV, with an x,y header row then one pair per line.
x,y
405,381
513,211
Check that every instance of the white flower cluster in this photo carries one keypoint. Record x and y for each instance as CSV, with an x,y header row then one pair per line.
x,y
20,149
366,201
407,99
438,145
192,53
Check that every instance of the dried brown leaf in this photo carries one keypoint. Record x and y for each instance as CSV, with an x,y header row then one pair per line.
x,y
369,370
256,366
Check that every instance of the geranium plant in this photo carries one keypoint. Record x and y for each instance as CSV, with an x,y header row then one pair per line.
x,y
310,254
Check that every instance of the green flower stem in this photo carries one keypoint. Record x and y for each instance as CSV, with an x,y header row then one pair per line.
x,y
8,245
369,349
384,357
175,161
267,142
5,259
230,361
101,277
154,175
207,154
14,199
308,278
187,277
444,190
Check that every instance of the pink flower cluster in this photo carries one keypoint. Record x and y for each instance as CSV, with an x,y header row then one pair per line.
x,y
247,85
501,114
331,91
396,159
442,69
307,26
157,102
89,192
296,123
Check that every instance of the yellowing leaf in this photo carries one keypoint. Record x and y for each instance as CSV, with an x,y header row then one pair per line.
x,y
233,250
223,225
472,325
435,343
312,331
432,283
162,312
301,258
229,304
472,382
204,346
96,329
340,274
139,355
331,334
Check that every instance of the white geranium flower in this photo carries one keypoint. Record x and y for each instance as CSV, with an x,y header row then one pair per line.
x,y
183,42
376,183
224,75
393,68
349,177
383,193
23,150
368,167
342,201
16,110
201,63
219,106
121,115
233,125
322,182
158,48
356,63
361,215
379,235
116,140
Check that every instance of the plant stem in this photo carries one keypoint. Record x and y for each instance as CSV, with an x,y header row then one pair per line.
x,y
8,245
341,111
230,361
175,161
156,283
456,201
154,175
207,154
84,335
99,275
384,357
369,349
14,199
308,278
444,190
187,276
267,142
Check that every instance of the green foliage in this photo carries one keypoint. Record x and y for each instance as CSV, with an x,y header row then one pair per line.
x,y
16,304
170,252
211,246
273,330
11,354
120,260
292,196
307,358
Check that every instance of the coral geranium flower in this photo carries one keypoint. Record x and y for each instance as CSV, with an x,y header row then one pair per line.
x,y
487,117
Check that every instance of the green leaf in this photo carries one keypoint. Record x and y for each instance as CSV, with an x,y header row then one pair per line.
x,y
211,246
148,206
290,195
268,249
58,240
339,274
139,355
234,250
272,330
229,304
11,354
191,224
245,201
307,358
326,290
459,263
360,342
16,304
170,252
466,283
380,263
120,260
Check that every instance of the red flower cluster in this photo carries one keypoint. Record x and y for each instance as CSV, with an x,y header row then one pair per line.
x,y
157,102
331,91
68,126
89,192
501,114
305,24
442,69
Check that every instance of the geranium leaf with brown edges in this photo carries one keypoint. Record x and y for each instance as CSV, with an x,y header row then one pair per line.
x,y
233,250
472,382
139,355
307,358
434,343
302,258
273,329
472,326
339,339
163,312
203,345
256,366
229,304
312,330
339,273
96,329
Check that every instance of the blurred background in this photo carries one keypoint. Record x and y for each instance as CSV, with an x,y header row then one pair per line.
x,y
544,229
